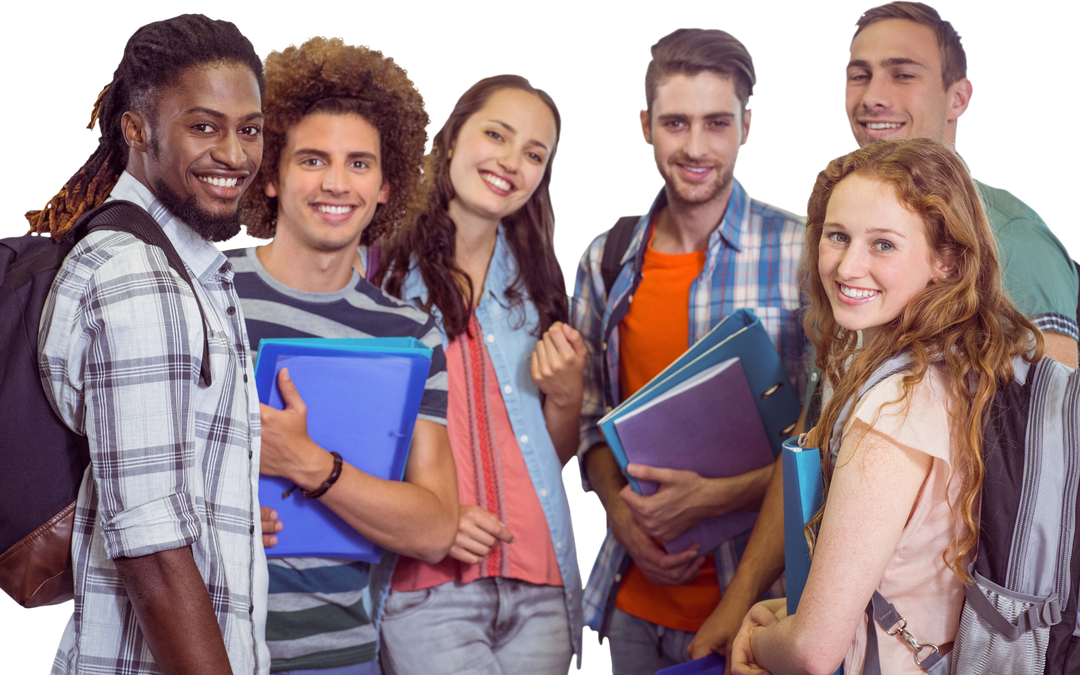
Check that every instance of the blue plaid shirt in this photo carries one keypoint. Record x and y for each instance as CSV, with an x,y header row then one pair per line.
x,y
752,262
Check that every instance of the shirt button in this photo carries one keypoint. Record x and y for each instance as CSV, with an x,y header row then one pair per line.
x,y
491,337
558,545
570,595
813,376
524,439
630,300
230,311
224,268
251,609
251,454
603,347
508,389
245,377
252,529
618,577
543,493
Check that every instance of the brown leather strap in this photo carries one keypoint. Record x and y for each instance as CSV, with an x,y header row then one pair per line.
x,y
37,570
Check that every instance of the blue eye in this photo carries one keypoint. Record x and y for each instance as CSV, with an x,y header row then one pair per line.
x,y
884,246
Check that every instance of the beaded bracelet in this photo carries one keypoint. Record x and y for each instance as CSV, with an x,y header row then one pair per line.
x,y
321,490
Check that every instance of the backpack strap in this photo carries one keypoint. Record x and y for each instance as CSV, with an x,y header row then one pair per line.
x,y
124,216
881,610
618,240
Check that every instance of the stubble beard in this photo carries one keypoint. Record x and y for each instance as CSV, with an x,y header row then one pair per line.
x,y
207,225
677,190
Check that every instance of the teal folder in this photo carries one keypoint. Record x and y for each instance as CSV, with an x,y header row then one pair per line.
x,y
803,490
362,397
739,335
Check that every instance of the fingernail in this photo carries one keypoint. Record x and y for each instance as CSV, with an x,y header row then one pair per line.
x,y
285,374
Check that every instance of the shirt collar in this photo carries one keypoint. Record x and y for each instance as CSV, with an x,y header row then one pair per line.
x,y
730,227
501,271
201,257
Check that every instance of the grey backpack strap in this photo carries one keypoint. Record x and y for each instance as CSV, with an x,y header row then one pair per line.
x,y
882,611
890,367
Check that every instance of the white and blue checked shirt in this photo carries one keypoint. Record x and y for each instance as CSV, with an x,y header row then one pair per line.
x,y
173,463
752,262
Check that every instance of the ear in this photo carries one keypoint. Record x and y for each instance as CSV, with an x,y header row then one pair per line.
x,y
135,130
944,266
745,125
384,193
959,98
271,189
646,127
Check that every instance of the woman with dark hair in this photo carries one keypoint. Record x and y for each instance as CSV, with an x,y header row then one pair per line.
x,y
899,249
480,259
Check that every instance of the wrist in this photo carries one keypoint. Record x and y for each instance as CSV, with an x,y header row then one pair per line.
x,y
313,467
565,403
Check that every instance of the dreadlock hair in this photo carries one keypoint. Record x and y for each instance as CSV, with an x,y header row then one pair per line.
x,y
154,58
966,320
329,77
429,245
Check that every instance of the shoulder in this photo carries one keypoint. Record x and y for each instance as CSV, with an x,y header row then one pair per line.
x,y
118,261
776,219
406,319
918,419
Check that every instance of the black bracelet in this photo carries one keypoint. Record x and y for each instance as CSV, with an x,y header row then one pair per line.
x,y
334,475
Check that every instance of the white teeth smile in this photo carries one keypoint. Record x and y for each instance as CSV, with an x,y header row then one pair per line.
x,y
496,181
857,293
336,210
695,169
219,182
879,126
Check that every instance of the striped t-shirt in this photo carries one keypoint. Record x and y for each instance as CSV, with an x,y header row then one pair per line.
x,y
319,608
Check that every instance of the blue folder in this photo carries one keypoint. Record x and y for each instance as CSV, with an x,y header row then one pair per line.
x,y
803,490
362,397
739,335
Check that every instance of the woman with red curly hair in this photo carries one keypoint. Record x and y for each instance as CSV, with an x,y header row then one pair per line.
x,y
899,249
480,259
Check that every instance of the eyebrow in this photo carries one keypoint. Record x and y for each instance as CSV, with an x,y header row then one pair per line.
x,y
512,130
217,114
887,63
322,154
876,230
707,116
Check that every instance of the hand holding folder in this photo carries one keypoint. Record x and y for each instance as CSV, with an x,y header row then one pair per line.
x,y
362,398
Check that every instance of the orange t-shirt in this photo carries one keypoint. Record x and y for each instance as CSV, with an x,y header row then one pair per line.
x,y
655,332
491,474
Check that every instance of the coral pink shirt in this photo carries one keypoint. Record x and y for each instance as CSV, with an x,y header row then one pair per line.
x,y
916,581
491,474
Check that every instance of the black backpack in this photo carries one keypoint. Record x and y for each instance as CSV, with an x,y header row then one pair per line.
x,y
42,461
1020,614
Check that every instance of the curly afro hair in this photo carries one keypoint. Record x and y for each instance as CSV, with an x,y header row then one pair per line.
x,y
328,76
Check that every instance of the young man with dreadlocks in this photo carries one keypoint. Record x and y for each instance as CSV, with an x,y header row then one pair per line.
x,y
344,148
170,574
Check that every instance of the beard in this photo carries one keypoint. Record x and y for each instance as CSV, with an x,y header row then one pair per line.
x,y
697,194
205,224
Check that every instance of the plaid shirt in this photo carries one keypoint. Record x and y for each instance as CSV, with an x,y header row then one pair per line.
x,y
173,463
752,262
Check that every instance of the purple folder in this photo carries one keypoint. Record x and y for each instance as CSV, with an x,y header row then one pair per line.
x,y
708,424
713,664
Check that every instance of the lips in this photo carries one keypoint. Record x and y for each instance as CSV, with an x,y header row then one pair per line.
x,y
694,173
881,128
222,185
333,213
500,185
850,295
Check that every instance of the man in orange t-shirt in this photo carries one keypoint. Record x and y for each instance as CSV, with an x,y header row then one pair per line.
x,y
703,250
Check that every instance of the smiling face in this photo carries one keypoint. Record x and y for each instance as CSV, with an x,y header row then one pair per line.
x,y
204,146
329,182
894,85
873,256
500,155
696,130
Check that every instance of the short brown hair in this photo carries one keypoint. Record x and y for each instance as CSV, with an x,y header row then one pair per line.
x,y
689,51
953,58
328,76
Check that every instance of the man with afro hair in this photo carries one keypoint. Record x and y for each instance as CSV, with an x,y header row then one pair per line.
x,y
344,145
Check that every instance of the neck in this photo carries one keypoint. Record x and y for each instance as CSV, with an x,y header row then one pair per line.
x,y
474,244
306,269
685,227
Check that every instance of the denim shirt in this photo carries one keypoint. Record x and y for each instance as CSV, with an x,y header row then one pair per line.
x,y
510,343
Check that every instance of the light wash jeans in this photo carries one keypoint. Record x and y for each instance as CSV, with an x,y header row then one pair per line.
x,y
490,626
640,647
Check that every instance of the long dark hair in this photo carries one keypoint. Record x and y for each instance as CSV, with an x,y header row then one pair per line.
x,y
430,241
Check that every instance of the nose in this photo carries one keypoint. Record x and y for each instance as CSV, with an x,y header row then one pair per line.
x,y
229,151
334,180
877,95
511,159
852,265
696,146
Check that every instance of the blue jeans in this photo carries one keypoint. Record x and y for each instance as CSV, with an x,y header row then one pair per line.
x,y
640,647
491,626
